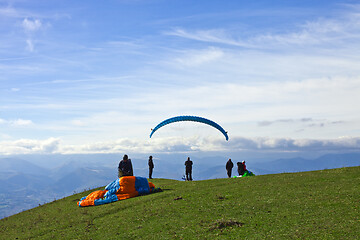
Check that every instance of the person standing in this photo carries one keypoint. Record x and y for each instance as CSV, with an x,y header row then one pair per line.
x,y
151,167
229,166
188,169
125,167
241,168
244,166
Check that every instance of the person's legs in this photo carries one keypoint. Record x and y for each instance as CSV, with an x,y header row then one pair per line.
x,y
150,173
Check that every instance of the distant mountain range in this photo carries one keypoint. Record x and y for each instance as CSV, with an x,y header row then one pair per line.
x,y
24,185
328,161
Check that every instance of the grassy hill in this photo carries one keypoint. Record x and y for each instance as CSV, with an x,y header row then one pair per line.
x,y
308,205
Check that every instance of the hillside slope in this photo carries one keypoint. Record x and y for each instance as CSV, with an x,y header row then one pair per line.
x,y
308,205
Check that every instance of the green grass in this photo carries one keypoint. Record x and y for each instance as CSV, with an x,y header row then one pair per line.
x,y
308,205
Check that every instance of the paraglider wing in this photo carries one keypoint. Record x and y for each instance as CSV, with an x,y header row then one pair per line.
x,y
119,189
190,118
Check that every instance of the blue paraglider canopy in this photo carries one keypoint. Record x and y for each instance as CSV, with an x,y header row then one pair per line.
x,y
193,119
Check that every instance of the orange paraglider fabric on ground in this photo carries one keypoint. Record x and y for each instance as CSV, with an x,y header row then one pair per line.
x,y
89,201
127,195
120,189
127,185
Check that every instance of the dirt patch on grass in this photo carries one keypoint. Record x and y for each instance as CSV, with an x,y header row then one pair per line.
x,y
224,223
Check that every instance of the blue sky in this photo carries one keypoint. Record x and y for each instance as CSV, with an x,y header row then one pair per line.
x,y
96,76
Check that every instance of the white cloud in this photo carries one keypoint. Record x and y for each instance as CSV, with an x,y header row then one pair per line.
x,y
9,12
182,145
296,145
318,32
268,123
17,122
29,45
195,58
29,146
30,28
21,122
213,35
31,25
302,98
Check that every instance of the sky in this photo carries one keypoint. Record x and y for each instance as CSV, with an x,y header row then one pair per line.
x,y
97,76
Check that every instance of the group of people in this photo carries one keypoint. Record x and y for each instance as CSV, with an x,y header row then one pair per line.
x,y
241,167
125,167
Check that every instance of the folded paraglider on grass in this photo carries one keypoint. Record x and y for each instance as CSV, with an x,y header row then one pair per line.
x,y
247,173
120,189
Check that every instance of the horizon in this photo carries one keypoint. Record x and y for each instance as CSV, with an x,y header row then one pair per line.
x,y
166,159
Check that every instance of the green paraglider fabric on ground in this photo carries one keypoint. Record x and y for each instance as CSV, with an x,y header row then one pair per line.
x,y
248,174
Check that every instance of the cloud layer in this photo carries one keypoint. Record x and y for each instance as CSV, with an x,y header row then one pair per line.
x,y
182,145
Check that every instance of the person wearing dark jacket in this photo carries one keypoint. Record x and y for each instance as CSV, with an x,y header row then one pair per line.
x,y
229,166
241,168
125,167
188,169
151,166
